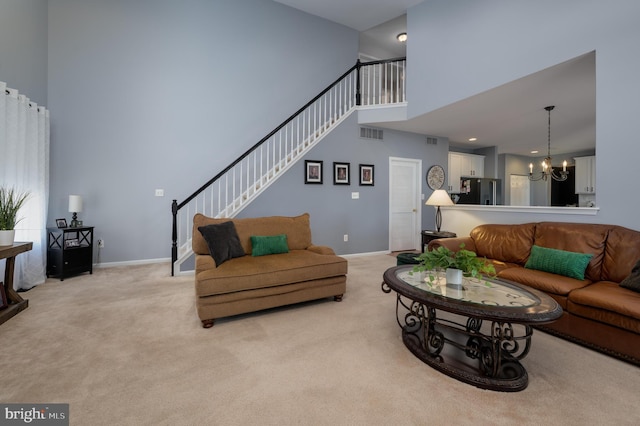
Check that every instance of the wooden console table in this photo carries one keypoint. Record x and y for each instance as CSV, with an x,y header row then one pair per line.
x,y
14,301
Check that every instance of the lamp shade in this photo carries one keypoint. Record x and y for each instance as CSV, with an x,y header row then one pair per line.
x,y
75,203
440,197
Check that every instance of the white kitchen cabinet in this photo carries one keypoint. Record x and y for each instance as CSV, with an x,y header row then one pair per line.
x,y
585,175
463,165
455,164
473,165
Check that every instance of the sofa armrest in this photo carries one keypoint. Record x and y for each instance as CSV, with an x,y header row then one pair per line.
x,y
321,249
453,244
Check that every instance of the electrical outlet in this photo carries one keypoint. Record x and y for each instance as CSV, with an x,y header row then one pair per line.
x,y
100,243
346,237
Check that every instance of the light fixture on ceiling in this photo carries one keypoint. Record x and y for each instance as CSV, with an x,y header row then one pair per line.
x,y
473,139
402,37
547,168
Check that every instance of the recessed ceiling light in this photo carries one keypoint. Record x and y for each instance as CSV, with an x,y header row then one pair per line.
x,y
402,37
473,139
534,152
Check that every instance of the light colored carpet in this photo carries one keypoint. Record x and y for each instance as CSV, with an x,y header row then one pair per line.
x,y
124,347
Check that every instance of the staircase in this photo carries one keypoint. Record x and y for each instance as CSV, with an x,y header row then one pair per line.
x,y
225,195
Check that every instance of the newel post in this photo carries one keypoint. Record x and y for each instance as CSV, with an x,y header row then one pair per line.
x,y
174,235
358,95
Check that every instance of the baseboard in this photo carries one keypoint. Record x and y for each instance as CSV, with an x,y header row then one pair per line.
x,y
168,261
371,253
133,262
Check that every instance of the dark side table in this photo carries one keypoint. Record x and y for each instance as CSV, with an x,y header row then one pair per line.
x,y
69,251
428,236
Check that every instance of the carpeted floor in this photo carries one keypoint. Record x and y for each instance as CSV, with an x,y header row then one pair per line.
x,y
124,347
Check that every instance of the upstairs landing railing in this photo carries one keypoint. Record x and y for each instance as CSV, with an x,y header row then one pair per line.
x,y
231,190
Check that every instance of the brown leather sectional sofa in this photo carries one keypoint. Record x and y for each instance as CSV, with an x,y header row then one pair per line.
x,y
251,283
598,313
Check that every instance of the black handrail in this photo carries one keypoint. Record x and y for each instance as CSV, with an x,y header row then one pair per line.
x,y
175,207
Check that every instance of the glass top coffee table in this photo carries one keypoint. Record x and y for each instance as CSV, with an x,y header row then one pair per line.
x,y
477,332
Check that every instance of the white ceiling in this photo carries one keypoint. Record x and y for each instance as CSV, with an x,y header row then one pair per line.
x,y
360,15
381,41
511,116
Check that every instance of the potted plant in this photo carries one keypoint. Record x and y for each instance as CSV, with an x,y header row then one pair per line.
x,y
456,264
11,201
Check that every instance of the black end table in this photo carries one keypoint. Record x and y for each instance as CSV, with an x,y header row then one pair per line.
x,y
69,251
428,236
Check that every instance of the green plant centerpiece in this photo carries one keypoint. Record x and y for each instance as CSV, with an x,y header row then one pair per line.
x,y
442,258
11,201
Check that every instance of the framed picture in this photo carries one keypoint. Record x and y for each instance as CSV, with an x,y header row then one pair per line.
x,y
366,174
61,223
312,171
4,303
341,174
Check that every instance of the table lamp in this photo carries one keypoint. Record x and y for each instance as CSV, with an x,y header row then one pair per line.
x,y
75,206
440,197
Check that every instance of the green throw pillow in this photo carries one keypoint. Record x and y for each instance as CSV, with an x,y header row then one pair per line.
x,y
274,244
559,262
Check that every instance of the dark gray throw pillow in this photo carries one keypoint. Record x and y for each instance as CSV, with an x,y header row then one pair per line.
x,y
632,282
223,242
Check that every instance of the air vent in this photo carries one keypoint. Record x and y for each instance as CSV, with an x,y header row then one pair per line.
x,y
369,133
432,141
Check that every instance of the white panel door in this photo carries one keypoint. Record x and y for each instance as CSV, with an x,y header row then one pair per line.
x,y
520,193
404,203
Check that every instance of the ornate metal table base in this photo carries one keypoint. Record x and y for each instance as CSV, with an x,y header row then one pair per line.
x,y
463,351
477,332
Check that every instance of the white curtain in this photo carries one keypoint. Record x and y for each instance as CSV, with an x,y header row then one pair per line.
x,y
24,165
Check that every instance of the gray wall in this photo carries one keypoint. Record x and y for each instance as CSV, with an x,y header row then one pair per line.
x,y
333,212
23,47
483,44
163,94
149,94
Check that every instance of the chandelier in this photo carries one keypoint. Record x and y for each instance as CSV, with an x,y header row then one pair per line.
x,y
547,169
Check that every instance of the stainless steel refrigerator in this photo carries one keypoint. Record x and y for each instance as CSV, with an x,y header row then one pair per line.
x,y
485,191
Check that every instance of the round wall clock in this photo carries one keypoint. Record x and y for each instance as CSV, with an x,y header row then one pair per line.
x,y
435,177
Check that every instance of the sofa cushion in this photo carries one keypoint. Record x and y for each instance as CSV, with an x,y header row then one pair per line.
x,y
567,263
544,281
297,229
508,243
263,245
248,273
607,302
632,282
623,251
222,241
499,265
576,237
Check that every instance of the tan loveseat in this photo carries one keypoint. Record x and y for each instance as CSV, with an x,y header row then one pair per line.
x,y
598,312
249,283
